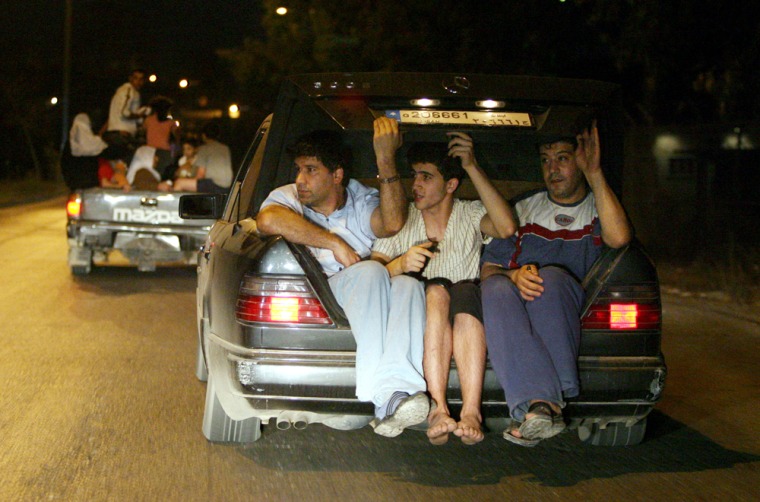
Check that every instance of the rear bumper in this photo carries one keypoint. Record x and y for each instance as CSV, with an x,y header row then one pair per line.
x,y
144,246
324,382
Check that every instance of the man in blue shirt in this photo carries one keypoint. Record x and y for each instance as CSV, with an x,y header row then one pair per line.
x,y
339,219
531,290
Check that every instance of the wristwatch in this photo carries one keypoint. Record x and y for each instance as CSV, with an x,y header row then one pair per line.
x,y
386,181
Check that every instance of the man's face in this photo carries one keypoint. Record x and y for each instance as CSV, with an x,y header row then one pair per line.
x,y
316,185
429,187
563,179
137,79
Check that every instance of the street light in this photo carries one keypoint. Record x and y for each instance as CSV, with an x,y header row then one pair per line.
x,y
234,111
281,11
183,83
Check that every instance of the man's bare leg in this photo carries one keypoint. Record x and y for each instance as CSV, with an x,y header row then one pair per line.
x,y
469,345
436,363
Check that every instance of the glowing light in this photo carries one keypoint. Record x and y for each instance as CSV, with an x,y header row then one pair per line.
x,y
425,102
152,78
183,83
490,103
281,11
54,100
623,316
234,111
284,309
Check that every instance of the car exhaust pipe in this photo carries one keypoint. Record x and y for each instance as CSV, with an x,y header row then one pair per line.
x,y
283,423
300,421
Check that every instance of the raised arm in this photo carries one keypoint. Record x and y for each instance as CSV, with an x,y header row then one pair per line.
x,y
616,229
388,218
499,220
279,220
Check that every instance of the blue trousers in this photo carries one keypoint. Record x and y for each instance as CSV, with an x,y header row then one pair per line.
x,y
533,345
387,317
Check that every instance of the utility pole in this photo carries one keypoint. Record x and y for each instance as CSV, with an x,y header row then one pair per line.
x,y
66,73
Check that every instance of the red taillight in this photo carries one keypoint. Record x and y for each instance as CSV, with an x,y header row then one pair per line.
x,y
279,300
622,316
74,207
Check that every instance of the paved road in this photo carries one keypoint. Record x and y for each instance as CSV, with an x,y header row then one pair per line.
x,y
99,402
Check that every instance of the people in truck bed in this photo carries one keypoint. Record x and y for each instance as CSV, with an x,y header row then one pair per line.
x,y
459,229
532,296
142,174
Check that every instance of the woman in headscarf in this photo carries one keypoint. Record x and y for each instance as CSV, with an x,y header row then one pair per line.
x,y
79,161
142,174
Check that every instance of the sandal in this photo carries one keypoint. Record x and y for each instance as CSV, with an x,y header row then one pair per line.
x,y
514,426
544,424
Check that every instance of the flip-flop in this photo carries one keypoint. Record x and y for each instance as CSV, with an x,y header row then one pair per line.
x,y
544,424
515,426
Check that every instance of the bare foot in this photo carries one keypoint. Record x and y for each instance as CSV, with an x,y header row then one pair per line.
x,y
468,429
440,424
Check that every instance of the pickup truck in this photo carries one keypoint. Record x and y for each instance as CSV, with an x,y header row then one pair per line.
x,y
268,364
108,226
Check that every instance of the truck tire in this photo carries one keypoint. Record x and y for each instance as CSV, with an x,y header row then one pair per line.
x,y
615,434
80,270
220,428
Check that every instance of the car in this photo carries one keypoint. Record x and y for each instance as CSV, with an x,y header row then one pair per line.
x,y
274,345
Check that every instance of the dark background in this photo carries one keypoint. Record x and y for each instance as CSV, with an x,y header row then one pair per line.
x,y
678,61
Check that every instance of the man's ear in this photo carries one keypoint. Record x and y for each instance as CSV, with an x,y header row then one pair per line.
x,y
452,185
338,175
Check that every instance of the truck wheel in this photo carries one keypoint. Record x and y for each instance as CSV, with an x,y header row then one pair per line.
x,y
615,434
218,427
80,270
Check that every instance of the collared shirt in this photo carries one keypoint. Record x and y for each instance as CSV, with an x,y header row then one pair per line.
x,y
458,254
549,233
350,222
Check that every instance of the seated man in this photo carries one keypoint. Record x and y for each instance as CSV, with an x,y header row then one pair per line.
x,y
340,219
532,295
454,316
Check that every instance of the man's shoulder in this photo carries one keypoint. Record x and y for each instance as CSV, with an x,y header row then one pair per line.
x,y
359,189
530,195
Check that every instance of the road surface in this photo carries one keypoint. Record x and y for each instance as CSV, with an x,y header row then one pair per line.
x,y
100,402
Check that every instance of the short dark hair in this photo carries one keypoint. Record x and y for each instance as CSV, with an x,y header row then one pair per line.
x,y
572,140
437,154
326,147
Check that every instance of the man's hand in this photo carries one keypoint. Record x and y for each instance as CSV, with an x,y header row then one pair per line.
x,y
345,254
415,257
460,145
387,140
587,155
528,281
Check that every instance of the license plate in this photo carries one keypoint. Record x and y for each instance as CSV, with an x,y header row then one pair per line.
x,y
454,117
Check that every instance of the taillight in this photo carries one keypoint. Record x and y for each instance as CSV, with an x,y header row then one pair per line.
x,y
625,308
621,316
74,206
282,300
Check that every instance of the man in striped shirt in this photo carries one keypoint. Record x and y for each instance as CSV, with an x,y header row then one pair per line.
x,y
441,241
532,295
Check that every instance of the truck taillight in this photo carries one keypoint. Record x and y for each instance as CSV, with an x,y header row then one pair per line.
x,y
622,316
283,300
74,206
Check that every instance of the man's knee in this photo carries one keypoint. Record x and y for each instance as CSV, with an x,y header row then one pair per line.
x,y
437,294
559,283
497,288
